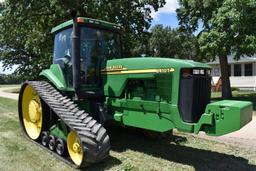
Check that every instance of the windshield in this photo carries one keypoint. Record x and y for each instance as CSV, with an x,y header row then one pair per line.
x,y
96,47
95,42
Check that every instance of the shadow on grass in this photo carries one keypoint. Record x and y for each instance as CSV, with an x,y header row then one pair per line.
x,y
243,97
106,164
172,150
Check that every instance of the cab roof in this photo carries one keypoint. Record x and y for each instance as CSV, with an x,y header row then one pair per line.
x,y
87,21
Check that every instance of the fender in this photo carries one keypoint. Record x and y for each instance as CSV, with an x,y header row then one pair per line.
x,y
55,76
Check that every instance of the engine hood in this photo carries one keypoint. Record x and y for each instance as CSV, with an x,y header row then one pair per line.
x,y
152,63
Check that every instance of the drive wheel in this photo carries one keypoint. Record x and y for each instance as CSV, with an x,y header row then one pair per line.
x,y
30,112
75,148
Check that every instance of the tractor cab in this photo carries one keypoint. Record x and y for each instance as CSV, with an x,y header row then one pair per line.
x,y
83,53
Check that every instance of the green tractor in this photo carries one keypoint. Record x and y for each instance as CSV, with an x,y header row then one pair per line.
x,y
89,85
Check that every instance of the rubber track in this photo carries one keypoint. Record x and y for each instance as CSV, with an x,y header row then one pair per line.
x,y
93,135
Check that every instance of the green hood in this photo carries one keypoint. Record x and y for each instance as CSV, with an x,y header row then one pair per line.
x,y
154,62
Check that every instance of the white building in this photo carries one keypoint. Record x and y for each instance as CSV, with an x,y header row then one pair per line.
x,y
242,72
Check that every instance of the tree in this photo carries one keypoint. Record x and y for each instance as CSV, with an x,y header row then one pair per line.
x,y
1,7
168,42
141,45
25,27
228,28
10,79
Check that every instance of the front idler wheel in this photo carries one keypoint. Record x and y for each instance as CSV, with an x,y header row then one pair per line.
x,y
60,147
52,143
75,148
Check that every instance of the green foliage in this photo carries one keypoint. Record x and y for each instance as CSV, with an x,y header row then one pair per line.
x,y
228,28
25,26
235,89
228,25
1,7
11,79
168,42
140,45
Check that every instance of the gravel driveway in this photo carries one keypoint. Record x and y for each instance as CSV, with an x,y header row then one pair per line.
x,y
13,96
245,137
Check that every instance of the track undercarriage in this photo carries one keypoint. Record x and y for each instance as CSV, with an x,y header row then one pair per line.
x,y
42,109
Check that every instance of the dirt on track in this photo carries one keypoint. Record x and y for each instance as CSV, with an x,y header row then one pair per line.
x,y
245,137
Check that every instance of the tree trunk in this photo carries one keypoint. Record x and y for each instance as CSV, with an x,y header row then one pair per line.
x,y
226,89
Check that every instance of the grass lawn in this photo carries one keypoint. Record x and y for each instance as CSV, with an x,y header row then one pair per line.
x,y
130,151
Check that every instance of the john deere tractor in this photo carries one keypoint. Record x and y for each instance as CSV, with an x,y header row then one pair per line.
x,y
90,84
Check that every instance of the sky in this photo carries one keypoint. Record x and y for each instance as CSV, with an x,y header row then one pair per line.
x,y
7,71
165,16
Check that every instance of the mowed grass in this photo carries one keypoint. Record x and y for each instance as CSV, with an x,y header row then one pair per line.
x,y
16,153
235,94
131,150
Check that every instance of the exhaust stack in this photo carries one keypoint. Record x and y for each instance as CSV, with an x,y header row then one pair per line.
x,y
75,54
